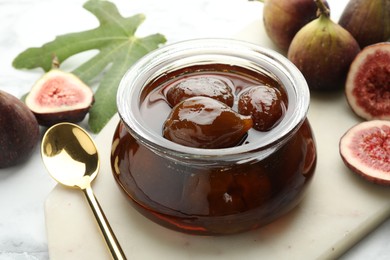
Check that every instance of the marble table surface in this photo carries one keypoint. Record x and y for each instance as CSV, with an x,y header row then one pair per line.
x,y
28,23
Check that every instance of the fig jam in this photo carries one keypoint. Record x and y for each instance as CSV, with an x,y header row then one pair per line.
x,y
156,108
210,191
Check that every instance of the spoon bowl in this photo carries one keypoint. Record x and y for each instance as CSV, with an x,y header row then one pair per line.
x,y
71,157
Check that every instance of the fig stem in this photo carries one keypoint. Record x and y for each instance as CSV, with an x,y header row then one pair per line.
x,y
55,62
322,9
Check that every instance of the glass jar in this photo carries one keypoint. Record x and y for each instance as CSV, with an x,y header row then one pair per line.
x,y
211,191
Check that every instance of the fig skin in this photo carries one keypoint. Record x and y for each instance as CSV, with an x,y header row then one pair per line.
x,y
284,18
203,122
19,131
367,20
367,88
365,149
323,51
264,104
59,97
212,87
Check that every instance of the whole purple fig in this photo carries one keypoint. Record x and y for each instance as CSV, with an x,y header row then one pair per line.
x,y
19,131
323,51
284,18
367,20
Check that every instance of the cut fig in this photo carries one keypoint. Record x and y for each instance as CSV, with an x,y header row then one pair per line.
x,y
365,149
58,97
368,82
19,131
203,122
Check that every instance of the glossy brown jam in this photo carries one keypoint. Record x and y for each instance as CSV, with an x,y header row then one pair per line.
x,y
218,197
156,106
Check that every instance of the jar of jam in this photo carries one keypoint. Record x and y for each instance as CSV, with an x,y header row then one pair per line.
x,y
212,191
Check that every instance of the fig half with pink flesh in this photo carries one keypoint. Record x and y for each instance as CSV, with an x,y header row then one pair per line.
x,y
368,83
365,149
59,97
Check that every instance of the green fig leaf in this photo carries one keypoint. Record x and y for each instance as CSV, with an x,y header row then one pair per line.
x,y
118,49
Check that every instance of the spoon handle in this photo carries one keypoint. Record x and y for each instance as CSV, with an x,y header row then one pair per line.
x,y
109,236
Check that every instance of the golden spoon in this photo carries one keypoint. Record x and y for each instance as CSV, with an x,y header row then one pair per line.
x,y
71,157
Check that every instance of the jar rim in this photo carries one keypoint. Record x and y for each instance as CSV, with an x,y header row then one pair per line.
x,y
210,50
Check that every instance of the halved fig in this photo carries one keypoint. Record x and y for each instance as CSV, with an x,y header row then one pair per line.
x,y
368,82
58,97
365,149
